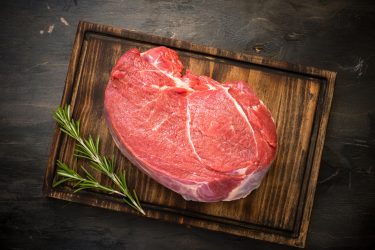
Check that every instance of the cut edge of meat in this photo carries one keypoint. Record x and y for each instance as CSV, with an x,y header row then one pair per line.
x,y
248,185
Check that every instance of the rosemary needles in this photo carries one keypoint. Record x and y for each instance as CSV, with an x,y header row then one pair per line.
x,y
89,149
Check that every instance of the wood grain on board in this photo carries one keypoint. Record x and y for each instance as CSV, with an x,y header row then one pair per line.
x,y
299,99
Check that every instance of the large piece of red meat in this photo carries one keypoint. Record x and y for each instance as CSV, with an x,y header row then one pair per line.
x,y
204,140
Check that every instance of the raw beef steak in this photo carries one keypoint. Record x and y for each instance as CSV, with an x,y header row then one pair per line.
x,y
204,140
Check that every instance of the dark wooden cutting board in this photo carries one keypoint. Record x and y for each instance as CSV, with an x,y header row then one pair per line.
x,y
298,97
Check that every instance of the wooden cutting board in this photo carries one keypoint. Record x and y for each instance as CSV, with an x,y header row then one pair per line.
x,y
298,97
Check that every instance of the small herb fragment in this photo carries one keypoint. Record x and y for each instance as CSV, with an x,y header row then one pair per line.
x,y
89,149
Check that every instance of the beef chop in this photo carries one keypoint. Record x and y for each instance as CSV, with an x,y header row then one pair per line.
x,y
202,139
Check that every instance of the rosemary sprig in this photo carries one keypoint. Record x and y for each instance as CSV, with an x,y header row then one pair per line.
x,y
89,149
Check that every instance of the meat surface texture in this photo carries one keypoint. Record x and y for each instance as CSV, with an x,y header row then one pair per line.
x,y
202,139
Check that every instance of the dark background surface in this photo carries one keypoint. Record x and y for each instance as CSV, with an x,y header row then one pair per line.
x,y
335,35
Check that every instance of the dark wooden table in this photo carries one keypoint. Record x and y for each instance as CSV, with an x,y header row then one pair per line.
x,y
336,35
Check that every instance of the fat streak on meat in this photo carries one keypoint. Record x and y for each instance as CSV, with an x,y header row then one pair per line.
x,y
204,140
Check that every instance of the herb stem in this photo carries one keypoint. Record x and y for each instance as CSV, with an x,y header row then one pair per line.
x,y
89,149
